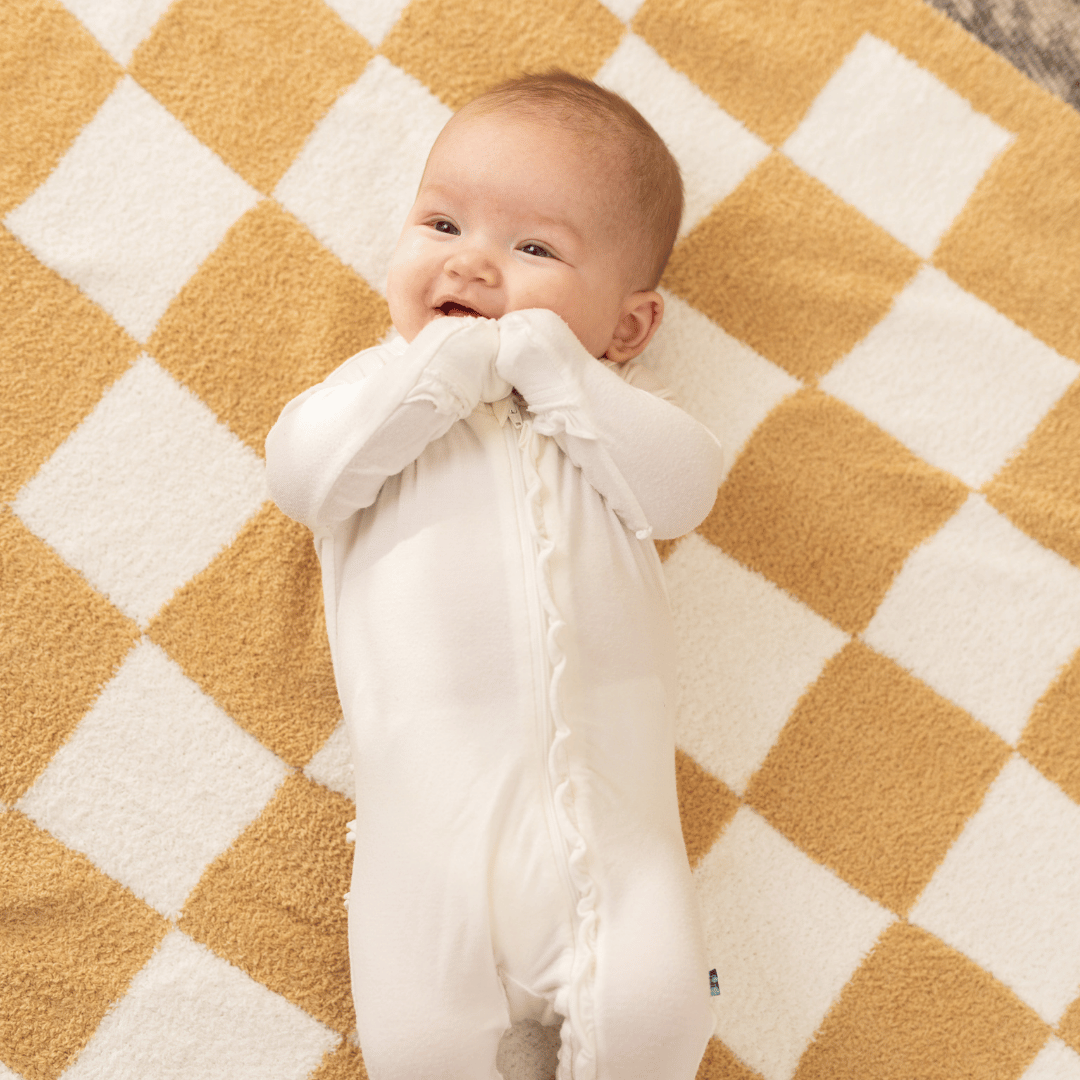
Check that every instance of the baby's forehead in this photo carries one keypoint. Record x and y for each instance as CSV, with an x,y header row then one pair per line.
x,y
602,154
582,133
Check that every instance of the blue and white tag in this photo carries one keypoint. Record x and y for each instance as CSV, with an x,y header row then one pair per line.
x,y
714,983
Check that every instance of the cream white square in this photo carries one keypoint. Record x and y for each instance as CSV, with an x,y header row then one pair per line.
x,y
984,615
714,151
717,379
785,936
132,209
952,378
747,653
623,9
1055,1062
189,1015
896,143
356,177
119,27
373,18
145,492
331,766
155,782
7,1074
1008,891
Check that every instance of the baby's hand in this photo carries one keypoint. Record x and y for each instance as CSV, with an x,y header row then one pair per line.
x,y
493,387
467,345
539,354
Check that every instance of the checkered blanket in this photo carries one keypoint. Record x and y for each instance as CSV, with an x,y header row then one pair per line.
x,y
874,302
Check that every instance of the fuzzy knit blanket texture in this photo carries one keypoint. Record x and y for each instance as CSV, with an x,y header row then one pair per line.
x,y
874,302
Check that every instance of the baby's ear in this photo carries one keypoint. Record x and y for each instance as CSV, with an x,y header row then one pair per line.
x,y
640,316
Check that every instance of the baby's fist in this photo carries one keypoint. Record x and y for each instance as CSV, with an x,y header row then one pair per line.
x,y
481,338
539,355
493,386
466,347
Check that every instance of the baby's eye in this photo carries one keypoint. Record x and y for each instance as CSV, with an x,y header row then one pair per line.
x,y
536,249
444,226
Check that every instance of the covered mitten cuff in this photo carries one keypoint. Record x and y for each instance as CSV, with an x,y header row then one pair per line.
x,y
541,356
460,369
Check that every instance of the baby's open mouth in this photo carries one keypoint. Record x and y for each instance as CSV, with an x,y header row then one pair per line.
x,y
452,307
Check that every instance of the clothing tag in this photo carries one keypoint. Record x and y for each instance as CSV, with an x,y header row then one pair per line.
x,y
714,983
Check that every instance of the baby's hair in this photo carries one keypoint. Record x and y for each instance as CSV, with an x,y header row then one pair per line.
x,y
598,114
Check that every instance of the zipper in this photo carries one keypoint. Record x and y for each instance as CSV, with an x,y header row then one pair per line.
x,y
545,721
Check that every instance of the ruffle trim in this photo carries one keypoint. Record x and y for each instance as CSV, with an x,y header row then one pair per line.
x,y
581,1017
443,394
557,420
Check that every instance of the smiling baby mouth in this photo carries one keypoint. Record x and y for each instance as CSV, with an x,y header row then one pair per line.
x,y
453,308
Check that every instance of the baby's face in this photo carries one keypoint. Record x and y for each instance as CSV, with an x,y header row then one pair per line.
x,y
513,213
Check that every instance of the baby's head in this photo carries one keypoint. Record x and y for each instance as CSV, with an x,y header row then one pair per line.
x,y
550,192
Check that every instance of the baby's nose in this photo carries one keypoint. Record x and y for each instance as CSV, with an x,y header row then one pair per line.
x,y
473,262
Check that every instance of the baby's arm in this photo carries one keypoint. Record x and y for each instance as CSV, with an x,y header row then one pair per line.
x,y
656,466
334,445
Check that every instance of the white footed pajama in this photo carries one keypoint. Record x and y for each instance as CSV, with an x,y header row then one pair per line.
x,y
503,652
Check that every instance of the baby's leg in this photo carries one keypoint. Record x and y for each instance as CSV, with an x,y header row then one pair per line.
x,y
429,1004
653,1017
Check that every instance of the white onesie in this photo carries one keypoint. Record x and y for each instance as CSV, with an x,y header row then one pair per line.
x,y
503,651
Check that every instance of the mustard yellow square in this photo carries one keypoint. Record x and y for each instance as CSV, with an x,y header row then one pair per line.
x,y
250,78
72,941
664,548
789,268
828,506
344,1063
1017,242
719,1063
270,313
875,775
764,61
58,353
250,631
1051,739
1039,489
272,904
53,77
1069,1026
61,642
459,51
705,806
917,1008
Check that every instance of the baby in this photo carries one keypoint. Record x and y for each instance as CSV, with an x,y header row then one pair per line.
x,y
483,491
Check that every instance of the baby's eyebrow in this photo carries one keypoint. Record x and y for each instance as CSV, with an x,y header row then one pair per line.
x,y
429,193
546,222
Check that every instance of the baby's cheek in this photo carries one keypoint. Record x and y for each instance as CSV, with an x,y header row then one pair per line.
x,y
405,311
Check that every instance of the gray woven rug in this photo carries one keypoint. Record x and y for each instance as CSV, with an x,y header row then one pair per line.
x,y
1040,37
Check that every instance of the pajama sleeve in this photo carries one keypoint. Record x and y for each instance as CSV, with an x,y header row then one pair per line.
x,y
655,465
334,445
